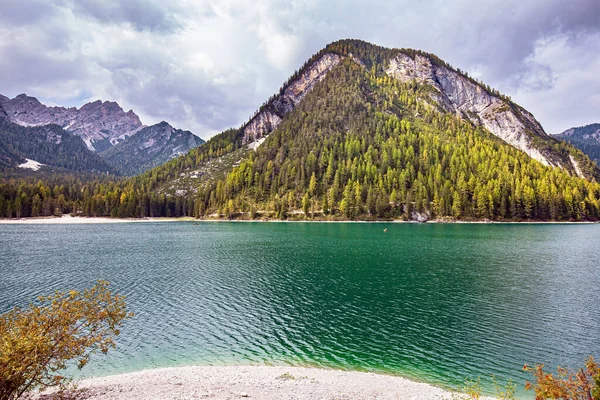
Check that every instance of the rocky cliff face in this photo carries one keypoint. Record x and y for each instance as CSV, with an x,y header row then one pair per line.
x,y
457,94
267,120
260,126
93,122
149,147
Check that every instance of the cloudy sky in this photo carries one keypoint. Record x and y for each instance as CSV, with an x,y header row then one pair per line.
x,y
207,65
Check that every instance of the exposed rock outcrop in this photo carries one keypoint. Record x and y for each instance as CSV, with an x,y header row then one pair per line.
x,y
458,94
419,216
265,121
260,126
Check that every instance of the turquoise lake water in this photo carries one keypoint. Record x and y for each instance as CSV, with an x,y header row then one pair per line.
x,y
433,302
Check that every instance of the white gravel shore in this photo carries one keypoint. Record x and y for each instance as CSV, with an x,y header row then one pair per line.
x,y
256,382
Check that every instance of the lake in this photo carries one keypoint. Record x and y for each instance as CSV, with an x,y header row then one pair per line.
x,y
432,302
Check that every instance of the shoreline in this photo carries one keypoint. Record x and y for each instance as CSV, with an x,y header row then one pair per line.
x,y
258,382
67,219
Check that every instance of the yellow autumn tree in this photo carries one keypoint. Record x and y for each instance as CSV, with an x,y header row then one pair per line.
x,y
583,384
39,342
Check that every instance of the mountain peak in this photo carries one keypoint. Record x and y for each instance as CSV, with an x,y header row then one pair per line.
x,y
94,103
359,132
23,98
134,117
149,147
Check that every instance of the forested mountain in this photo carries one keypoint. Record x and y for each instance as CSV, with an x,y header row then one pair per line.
x,y
361,132
586,138
102,125
49,145
150,147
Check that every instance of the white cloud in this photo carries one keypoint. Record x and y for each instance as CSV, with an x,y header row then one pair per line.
x,y
572,99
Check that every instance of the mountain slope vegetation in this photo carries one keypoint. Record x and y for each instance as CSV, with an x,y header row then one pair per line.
x,y
586,138
150,147
345,139
49,145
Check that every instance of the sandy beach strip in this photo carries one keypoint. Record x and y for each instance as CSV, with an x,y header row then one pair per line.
x,y
256,382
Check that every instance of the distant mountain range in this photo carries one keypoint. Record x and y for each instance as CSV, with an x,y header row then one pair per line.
x,y
586,138
108,133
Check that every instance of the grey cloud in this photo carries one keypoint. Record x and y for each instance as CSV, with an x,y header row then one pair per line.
x,y
536,77
142,14
35,69
150,82
19,12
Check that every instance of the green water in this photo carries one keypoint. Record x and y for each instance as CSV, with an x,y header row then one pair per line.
x,y
433,302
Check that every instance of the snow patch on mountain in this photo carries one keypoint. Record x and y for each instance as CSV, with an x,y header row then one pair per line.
x,y
31,164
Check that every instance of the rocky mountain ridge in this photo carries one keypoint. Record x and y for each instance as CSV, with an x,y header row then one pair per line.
x,y
93,122
471,101
149,147
591,132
